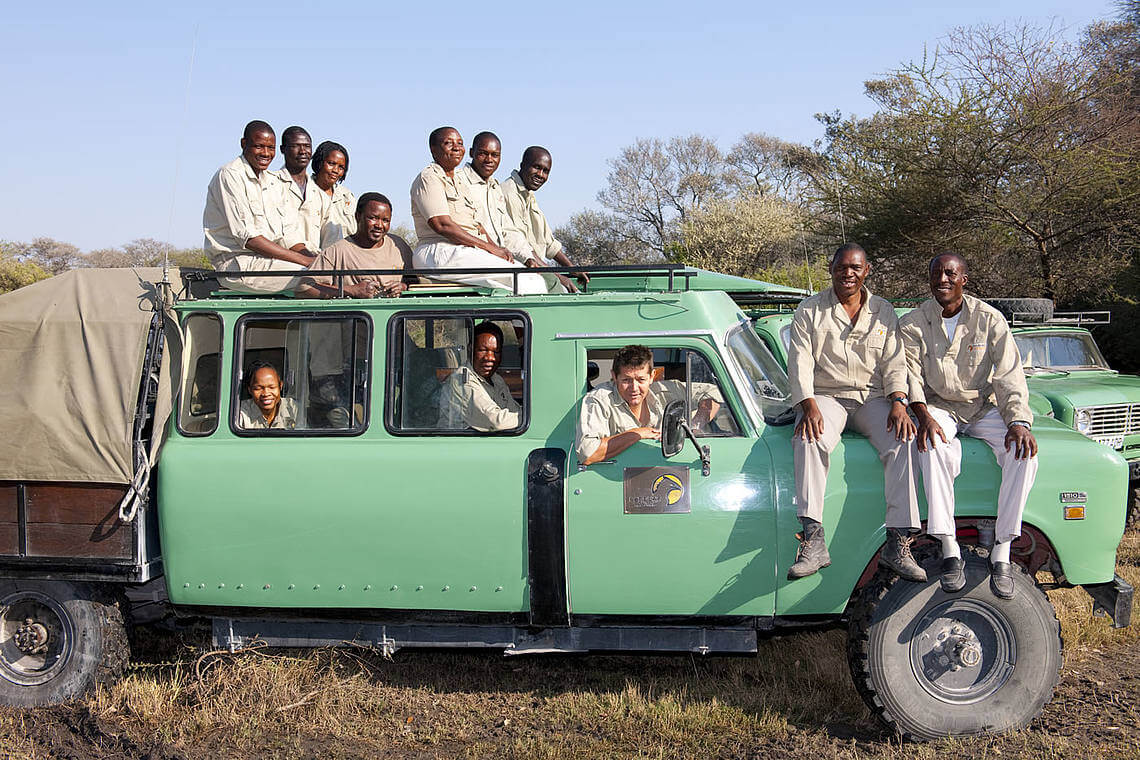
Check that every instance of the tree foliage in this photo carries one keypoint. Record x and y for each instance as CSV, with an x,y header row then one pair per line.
x,y
741,235
590,237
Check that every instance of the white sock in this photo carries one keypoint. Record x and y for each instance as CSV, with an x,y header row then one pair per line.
x,y
950,547
1000,552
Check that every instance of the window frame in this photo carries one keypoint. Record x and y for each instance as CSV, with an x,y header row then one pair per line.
x,y
238,367
393,355
217,316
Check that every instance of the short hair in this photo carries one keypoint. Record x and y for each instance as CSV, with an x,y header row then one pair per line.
x,y
532,154
483,136
632,356
847,248
294,130
369,197
256,366
256,126
436,136
951,254
322,152
489,328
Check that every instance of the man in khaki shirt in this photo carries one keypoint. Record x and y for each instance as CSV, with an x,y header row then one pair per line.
x,y
370,247
297,150
477,397
628,409
967,380
846,368
519,192
247,222
449,233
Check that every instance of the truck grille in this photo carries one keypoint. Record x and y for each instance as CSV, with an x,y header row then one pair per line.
x,y
1111,423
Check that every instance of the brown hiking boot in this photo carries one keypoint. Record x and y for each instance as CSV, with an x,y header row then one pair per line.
x,y
896,556
812,554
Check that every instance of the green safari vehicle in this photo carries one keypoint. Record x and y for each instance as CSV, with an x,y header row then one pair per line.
x,y
373,521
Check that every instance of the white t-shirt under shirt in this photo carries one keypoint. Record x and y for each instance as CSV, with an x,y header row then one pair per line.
x,y
950,324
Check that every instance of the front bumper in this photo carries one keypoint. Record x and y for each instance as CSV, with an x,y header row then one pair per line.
x,y
1114,599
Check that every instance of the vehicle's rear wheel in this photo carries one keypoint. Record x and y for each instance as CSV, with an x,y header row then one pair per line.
x,y
1132,518
931,664
57,640
1029,309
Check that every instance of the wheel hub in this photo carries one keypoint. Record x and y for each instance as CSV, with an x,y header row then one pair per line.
x,y
31,637
962,650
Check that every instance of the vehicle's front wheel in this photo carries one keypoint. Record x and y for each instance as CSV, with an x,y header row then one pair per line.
x,y
931,664
57,640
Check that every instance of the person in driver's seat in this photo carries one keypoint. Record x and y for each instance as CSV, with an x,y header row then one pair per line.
x,y
478,397
628,409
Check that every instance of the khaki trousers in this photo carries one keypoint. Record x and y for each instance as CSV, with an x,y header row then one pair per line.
x,y
450,256
942,463
253,262
813,459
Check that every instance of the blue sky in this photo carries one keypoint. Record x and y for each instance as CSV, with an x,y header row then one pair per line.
x,y
114,136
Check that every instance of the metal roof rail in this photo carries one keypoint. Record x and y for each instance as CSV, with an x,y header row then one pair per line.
x,y
1063,318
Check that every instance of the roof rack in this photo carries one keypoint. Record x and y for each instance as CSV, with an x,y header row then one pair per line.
x,y
674,272
1065,318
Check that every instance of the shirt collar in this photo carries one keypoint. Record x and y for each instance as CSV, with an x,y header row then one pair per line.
x,y
523,191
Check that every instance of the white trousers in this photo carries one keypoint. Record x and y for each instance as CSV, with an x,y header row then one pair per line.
x,y
253,262
942,463
449,256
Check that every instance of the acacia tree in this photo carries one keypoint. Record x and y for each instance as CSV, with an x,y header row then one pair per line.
x,y
741,235
1006,144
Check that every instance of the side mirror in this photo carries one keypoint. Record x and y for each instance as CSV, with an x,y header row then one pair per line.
x,y
672,428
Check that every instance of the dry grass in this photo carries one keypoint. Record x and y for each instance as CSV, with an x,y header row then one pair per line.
x,y
795,699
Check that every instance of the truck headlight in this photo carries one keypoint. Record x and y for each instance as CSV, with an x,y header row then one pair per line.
x,y
1082,420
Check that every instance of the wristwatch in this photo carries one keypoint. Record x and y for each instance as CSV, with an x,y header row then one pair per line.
x,y
900,399
1021,423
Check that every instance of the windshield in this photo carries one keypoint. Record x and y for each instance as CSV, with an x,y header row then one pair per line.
x,y
1060,350
767,381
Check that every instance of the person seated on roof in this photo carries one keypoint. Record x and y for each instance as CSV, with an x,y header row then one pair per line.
x,y
478,397
328,213
628,409
265,409
249,222
449,232
369,247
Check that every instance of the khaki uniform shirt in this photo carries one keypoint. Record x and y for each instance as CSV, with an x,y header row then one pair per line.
x,y
978,370
469,401
436,194
830,356
605,413
393,253
251,418
293,192
529,217
241,204
326,219
493,214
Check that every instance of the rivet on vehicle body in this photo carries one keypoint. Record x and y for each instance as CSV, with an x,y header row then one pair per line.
x,y
368,587
240,586
292,586
221,585
498,588
419,588
266,587
473,588
317,587
447,588
341,587
201,585
394,588
185,585
577,491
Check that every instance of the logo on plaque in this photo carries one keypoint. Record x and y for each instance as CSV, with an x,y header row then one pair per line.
x,y
656,490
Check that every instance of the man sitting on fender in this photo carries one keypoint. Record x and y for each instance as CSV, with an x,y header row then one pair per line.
x,y
847,367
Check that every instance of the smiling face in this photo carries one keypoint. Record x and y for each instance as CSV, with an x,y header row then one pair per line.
x,y
331,170
265,388
848,271
448,150
259,149
488,354
632,383
535,173
947,279
297,149
485,156
373,221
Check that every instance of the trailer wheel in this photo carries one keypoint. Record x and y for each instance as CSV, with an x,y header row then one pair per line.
x,y
57,640
1035,309
930,664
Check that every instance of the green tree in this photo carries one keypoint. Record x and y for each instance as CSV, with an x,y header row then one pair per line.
x,y
15,273
741,235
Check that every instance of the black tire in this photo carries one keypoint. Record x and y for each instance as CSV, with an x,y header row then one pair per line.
x,y
77,639
1132,516
1029,309
904,638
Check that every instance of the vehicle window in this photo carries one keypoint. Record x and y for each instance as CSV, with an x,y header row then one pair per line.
x,y
457,374
677,371
198,409
305,375
766,380
1067,350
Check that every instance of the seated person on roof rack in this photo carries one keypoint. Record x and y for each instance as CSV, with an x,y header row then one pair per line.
x,y
265,409
618,414
249,222
450,234
370,247
480,398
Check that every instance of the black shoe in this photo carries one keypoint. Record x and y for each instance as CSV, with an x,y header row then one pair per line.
x,y
953,575
1001,580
